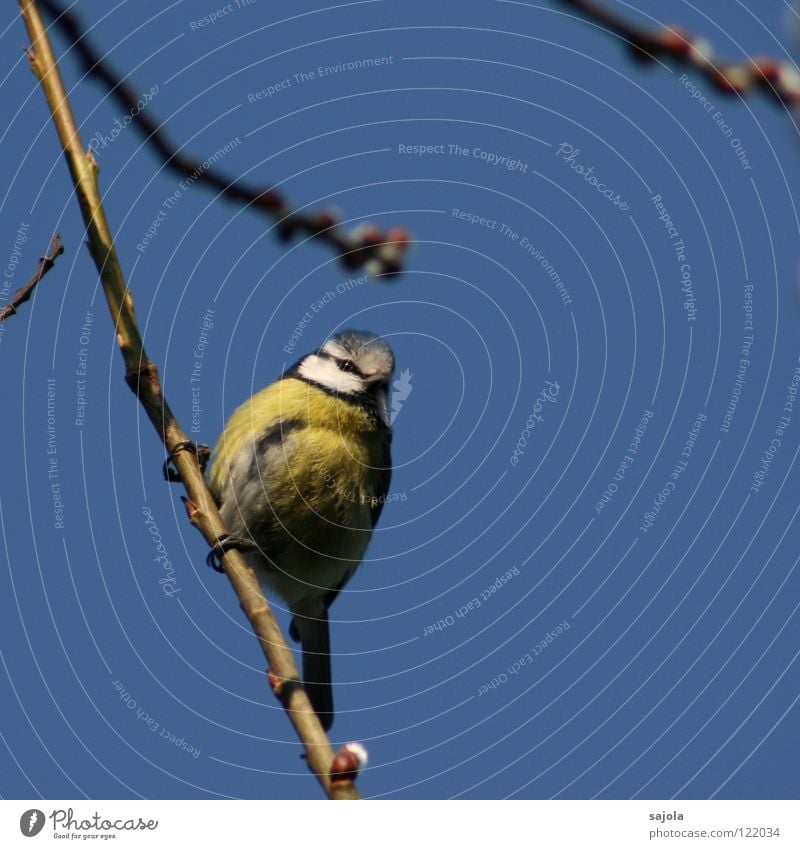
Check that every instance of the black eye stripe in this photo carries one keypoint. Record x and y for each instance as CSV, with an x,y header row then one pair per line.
x,y
348,366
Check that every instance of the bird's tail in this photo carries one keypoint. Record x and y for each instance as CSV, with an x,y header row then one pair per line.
x,y
315,637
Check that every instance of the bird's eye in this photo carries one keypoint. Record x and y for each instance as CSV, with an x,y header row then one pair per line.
x,y
347,365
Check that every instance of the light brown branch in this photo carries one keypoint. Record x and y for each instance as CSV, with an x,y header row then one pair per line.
x,y
142,376
24,292
777,77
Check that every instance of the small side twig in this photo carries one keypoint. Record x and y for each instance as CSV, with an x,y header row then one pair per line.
x,y
777,77
380,253
24,292
142,377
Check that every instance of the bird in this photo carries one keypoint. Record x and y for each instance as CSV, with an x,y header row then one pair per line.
x,y
301,473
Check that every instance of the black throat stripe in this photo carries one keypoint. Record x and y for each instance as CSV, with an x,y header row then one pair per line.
x,y
363,400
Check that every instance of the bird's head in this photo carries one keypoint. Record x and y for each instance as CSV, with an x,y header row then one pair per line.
x,y
352,363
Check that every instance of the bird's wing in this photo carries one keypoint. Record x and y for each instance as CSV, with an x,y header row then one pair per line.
x,y
384,480
238,479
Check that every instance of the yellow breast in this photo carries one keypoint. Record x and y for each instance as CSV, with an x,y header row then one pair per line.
x,y
338,451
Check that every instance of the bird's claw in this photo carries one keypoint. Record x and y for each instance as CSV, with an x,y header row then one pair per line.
x,y
225,543
202,452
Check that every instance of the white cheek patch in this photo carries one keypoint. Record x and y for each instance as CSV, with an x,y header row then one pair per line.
x,y
325,372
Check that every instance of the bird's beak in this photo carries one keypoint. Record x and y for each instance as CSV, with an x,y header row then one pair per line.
x,y
378,383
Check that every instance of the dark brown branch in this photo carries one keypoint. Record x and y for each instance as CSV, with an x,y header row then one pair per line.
x,y
24,292
778,78
381,253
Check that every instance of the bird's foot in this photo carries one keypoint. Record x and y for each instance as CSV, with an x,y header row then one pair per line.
x,y
202,452
224,543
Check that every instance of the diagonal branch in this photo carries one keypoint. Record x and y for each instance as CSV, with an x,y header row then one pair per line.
x,y
142,377
778,78
24,292
380,253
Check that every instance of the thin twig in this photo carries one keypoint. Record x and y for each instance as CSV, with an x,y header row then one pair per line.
x,y
142,377
777,77
24,292
381,253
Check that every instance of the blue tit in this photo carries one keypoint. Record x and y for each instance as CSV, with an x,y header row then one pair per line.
x,y
301,474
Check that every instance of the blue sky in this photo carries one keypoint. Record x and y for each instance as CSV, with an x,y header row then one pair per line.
x,y
585,581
